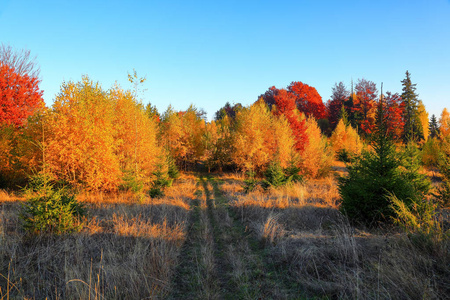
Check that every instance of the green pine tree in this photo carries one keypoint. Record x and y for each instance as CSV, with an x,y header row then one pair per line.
x,y
413,129
434,127
374,176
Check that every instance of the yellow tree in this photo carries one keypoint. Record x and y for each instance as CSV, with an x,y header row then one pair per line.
x,y
171,136
423,117
135,136
193,132
317,157
444,123
81,148
251,137
345,139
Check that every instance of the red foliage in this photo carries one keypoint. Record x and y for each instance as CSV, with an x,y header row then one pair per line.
x,y
308,100
334,111
286,105
393,112
20,96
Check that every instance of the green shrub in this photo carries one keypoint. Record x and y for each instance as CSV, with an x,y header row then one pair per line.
x,y
443,191
162,180
50,210
131,182
275,176
251,183
172,168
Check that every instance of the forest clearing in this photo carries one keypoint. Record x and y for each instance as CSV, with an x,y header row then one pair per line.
x,y
103,197
207,239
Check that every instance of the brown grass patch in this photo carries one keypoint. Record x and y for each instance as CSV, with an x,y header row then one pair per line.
x,y
127,250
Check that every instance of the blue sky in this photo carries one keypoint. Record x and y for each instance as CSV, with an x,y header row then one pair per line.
x,y
211,52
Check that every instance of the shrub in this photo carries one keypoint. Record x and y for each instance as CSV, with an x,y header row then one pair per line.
x,y
251,183
131,182
443,191
50,210
275,176
430,152
162,180
420,221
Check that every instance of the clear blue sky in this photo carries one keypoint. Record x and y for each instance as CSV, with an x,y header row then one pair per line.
x,y
211,52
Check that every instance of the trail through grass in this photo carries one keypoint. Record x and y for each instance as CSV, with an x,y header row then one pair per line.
x,y
220,258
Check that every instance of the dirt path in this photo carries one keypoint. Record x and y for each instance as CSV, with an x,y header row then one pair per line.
x,y
219,259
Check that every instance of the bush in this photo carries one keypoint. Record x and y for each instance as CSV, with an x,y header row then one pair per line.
x,y
275,176
430,152
162,180
50,210
131,182
420,221
443,191
250,184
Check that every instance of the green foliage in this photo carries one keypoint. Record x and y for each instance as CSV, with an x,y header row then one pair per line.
x,y
50,210
374,176
410,163
251,183
162,180
443,191
430,152
275,176
420,221
172,168
344,155
131,182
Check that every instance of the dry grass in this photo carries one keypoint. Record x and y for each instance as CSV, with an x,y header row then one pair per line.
x,y
127,250
318,251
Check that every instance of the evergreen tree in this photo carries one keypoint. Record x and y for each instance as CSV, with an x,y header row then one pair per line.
x,y
413,126
433,127
374,176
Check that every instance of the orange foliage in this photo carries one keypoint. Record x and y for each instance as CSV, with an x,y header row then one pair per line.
x,y
444,123
260,137
317,157
80,149
345,138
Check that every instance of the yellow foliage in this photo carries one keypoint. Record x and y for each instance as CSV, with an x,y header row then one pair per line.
x,y
135,136
444,123
346,138
80,149
260,137
182,135
423,117
317,157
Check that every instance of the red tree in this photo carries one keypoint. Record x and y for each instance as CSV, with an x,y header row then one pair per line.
x,y
394,109
308,100
20,96
286,105
366,94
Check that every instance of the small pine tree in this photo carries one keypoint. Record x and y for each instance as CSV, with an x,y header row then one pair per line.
x,y
373,177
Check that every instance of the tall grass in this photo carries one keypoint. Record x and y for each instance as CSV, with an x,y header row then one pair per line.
x,y
127,250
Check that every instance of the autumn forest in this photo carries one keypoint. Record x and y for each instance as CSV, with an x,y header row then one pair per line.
x,y
292,196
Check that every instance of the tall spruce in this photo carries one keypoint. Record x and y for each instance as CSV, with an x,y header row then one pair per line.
x,y
413,129
433,127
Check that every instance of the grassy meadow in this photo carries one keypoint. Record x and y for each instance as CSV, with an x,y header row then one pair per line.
x,y
207,239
